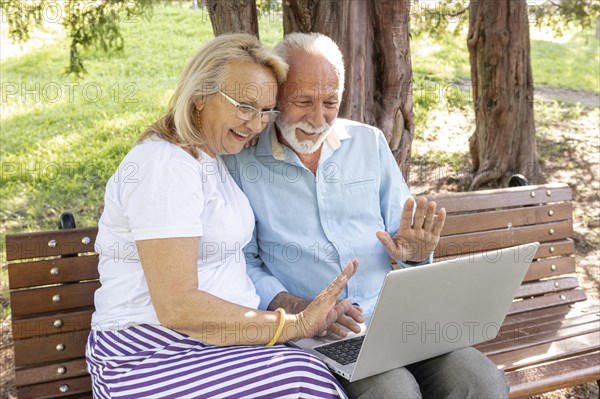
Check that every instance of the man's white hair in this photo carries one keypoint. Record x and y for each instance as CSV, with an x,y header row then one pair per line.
x,y
314,44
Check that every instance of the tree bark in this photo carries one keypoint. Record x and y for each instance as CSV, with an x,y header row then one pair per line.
x,y
233,16
503,143
374,39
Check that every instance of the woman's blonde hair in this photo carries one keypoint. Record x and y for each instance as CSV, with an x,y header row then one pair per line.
x,y
203,76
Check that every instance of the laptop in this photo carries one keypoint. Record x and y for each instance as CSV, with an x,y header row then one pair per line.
x,y
427,311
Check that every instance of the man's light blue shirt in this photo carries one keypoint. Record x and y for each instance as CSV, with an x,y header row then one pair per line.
x,y
309,226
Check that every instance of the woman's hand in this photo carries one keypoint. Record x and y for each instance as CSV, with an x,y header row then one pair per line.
x,y
325,309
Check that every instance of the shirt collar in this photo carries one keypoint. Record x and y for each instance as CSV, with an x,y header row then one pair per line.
x,y
269,145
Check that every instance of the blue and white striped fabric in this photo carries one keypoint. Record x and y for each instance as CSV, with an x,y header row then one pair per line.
x,y
156,362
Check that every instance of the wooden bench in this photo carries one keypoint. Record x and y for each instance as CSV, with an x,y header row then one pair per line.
x,y
546,342
550,338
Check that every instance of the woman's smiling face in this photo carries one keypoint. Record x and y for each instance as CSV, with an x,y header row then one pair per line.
x,y
248,84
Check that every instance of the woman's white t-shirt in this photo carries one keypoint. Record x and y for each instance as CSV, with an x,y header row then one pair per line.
x,y
160,191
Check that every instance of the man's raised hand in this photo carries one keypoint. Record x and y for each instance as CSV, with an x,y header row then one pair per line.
x,y
416,238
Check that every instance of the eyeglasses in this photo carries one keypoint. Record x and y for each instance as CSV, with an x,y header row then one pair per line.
x,y
247,112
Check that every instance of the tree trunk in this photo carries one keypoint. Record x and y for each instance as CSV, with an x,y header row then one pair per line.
x,y
504,139
373,37
233,16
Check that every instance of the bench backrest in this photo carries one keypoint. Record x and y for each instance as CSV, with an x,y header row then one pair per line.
x,y
492,219
53,275
52,278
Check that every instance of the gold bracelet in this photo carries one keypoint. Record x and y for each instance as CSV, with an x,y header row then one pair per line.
x,y
279,330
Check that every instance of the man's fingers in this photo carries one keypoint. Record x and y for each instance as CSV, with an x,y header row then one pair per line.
x,y
337,330
348,323
385,238
342,323
342,307
429,216
355,312
407,214
439,223
420,213
359,308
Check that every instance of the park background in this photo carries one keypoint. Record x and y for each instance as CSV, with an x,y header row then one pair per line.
x,y
62,135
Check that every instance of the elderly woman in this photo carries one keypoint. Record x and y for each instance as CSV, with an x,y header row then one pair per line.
x,y
176,313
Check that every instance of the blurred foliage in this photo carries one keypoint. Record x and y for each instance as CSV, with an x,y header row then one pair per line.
x,y
87,23
268,7
98,23
61,142
564,14
438,18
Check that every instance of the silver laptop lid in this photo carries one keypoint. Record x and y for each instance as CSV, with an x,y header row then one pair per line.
x,y
434,309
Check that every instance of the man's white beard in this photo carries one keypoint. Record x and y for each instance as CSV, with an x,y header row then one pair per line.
x,y
305,147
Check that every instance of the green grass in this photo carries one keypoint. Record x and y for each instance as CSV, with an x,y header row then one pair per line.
x,y
440,59
58,150
63,136
270,29
571,65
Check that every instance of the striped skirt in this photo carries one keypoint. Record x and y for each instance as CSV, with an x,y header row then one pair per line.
x,y
156,362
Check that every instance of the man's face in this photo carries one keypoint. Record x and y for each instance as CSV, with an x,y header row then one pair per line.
x,y
309,102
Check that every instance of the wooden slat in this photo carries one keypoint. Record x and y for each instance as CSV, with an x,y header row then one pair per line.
x,y
45,325
501,219
546,251
545,352
537,326
555,375
495,239
546,287
501,198
34,351
31,274
539,335
52,389
554,313
553,267
555,248
547,301
36,245
544,316
531,328
52,372
39,300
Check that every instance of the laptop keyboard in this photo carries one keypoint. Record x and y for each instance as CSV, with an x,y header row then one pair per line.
x,y
344,352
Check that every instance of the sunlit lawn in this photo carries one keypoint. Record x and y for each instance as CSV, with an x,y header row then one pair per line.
x,y
63,136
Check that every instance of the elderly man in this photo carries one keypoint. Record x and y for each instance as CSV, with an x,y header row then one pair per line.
x,y
325,190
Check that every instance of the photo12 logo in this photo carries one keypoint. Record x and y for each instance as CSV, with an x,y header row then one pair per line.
x,y
70,92
466,332
55,12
